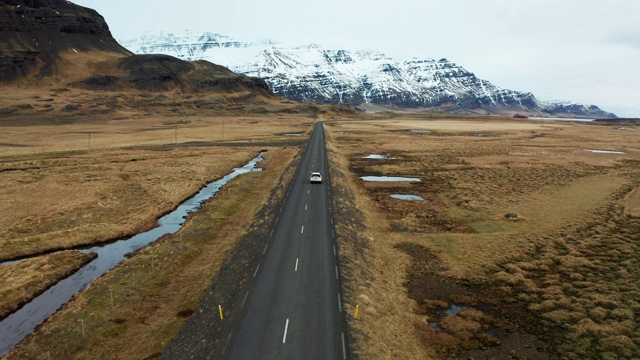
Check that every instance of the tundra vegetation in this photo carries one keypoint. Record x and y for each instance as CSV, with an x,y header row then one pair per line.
x,y
453,277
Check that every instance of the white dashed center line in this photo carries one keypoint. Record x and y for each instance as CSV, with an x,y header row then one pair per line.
x,y
297,263
245,299
302,231
286,327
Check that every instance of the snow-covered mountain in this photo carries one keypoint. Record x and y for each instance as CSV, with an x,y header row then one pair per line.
x,y
359,78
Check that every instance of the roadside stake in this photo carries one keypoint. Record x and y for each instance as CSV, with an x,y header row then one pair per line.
x,y
355,315
220,311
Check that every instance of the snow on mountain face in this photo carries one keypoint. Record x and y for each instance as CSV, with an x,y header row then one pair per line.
x,y
310,73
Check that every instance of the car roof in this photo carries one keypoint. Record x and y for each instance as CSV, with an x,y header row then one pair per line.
x,y
315,173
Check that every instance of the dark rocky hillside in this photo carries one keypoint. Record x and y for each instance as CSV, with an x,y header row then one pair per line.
x,y
166,73
35,36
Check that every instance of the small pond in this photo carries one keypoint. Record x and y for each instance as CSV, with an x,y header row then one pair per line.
x,y
453,310
379,157
407,197
389,178
558,118
605,151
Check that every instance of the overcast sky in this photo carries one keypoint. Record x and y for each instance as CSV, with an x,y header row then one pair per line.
x,y
586,51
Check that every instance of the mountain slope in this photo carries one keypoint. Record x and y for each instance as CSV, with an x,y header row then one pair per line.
x,y
356,78
57,42
35,34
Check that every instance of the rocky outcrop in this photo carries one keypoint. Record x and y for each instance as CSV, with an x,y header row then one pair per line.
x,y
157,73
33,34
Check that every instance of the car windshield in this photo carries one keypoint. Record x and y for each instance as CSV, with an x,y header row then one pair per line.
x,y
315,174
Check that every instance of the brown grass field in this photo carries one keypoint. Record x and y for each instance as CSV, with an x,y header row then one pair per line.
x,y
81,178
559,281
152,303
58,195
145,158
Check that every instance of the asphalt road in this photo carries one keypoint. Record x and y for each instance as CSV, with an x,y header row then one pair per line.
x,y
294,309
280,287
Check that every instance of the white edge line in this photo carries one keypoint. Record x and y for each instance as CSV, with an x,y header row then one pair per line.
x,y
334,250
256,272
339,303
265,249
245,299
336,272
272,230
286,326
227,343
344,349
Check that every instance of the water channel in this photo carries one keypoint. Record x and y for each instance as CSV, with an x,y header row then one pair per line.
x,y
21,323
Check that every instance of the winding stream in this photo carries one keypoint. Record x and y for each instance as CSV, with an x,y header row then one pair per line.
x,y
21,323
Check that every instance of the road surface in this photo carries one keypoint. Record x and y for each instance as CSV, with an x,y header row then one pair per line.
x,y
291,307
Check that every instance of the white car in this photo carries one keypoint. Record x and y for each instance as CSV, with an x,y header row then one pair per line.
x,y
315,177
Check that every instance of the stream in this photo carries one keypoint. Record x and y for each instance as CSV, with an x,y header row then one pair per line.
x,y
21,323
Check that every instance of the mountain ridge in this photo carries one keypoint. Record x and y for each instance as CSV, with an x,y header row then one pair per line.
x,y
311,73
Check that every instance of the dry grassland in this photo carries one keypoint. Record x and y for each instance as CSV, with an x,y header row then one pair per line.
x,y
565,271
56,195
20,282
115,162
56,203
152,304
